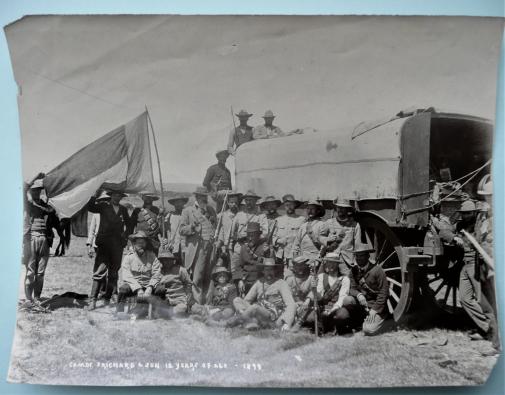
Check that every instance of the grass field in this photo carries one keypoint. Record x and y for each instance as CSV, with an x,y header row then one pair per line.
x,y
73,346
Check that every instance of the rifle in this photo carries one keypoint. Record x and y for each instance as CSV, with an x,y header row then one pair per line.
x,y
233,120
314,270
269,239
485,256
214,253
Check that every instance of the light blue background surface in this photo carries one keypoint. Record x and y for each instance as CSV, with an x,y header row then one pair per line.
x,y
10,160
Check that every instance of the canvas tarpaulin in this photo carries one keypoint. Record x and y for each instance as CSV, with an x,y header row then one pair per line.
x,y
119,160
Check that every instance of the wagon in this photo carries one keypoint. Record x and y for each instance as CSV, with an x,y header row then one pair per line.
x,y
389,170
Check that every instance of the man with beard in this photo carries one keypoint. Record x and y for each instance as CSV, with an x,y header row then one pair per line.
x,y
197,226
301,282
288,226
269,219
110,241
172,227
147,219
313,233
268,303
370,288
140,269
41,219
473,300
239,227
252,253
344,228
225,233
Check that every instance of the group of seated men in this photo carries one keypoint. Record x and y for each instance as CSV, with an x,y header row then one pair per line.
x,y
268,271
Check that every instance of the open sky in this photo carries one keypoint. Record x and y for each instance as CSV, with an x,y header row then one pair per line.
x,y
82,76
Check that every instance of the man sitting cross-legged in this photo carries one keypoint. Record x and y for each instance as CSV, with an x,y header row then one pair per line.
x,y
268,303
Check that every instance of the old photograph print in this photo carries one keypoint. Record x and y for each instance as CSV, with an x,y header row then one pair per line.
x,y
256,201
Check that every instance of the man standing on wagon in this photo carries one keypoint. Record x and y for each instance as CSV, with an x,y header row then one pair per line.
x,y
241,134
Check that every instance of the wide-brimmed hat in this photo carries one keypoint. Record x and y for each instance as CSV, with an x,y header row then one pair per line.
x,y
320,208
301,260
250,194
115,192
467,206
178,198
151,196
165,254
342,202
139,234
243,114
202,191
332,257
270,199
269,262
223,152
103,196
253,227
37,184
485,187
233,193
269,114
219,270
362,247
291,198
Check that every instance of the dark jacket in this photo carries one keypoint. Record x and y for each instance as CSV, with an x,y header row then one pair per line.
x,y
374,285
112,225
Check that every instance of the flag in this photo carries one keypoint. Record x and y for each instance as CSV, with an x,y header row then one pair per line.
x,y
120,160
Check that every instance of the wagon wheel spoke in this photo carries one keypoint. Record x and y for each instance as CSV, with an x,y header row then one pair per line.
x,y
389,256
394,282
390,307
390,269
439,288
434,279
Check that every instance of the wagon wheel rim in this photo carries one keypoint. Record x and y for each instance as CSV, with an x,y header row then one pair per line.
x,y
389,255
443,286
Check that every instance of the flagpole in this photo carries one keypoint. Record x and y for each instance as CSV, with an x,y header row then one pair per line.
x,y
159,171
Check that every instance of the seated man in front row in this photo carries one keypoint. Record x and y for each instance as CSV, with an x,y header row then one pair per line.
x,y
268,303
140,269
174,289
370,287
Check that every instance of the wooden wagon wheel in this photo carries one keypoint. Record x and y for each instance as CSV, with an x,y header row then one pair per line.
x,y
442,284
389,255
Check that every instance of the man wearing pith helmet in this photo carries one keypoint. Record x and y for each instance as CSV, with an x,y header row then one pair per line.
x,y
288,226
473,296
268,130
370,288
241,134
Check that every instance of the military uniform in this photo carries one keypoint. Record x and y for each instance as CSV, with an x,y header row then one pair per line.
x,y
197,226
173,289
310,237
110,241
42,219
346,234
275,298
333,291
267,132
217,178
147,220
250,257
373,284
176,243
138,272
301,290
288,227
239,136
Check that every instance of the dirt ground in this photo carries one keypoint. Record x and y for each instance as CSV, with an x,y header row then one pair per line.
x,y
76,347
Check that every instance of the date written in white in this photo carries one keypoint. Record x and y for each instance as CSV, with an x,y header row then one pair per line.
x,y
165,365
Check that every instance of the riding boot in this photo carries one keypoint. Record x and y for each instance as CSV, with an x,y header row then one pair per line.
x,y
95,288
37,287
29,292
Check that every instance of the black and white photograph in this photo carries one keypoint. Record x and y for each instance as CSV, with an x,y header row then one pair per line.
x,y
256,201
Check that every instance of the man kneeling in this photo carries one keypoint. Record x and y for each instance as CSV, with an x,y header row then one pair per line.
x,y
173,289
269,303
140,270
219,306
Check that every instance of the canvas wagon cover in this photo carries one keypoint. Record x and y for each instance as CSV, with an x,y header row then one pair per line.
x,y
324,165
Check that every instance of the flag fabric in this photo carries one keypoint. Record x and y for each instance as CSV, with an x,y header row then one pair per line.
x,y
120,160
